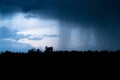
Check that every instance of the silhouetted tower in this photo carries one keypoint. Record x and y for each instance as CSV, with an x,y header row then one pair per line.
x,y
48,49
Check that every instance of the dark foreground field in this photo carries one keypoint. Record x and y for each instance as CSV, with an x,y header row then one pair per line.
x,y
60,57
58,63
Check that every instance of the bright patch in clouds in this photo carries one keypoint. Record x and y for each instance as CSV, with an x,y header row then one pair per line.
x,y
33,25
40,31
41,43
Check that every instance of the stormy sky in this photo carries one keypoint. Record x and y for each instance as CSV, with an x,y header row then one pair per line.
x,y
63,24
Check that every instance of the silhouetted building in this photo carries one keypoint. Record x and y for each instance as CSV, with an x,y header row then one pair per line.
x,y
48,49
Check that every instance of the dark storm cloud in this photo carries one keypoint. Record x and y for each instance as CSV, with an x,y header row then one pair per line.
x,y
83,11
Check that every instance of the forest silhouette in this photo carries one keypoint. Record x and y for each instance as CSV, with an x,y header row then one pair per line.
x,y
47,61
49,56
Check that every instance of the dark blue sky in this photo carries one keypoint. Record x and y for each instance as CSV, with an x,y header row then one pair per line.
x,y
63,24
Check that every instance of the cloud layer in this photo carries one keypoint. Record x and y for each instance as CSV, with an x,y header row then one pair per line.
x,y
80,24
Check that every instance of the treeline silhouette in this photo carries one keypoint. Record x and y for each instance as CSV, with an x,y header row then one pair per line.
x,y
36,56
50,52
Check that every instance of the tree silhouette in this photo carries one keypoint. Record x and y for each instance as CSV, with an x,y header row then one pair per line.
x,y
48,49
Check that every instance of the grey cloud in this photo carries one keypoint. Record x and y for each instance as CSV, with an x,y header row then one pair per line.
x,y
40,37
35,38
6,33
45,35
